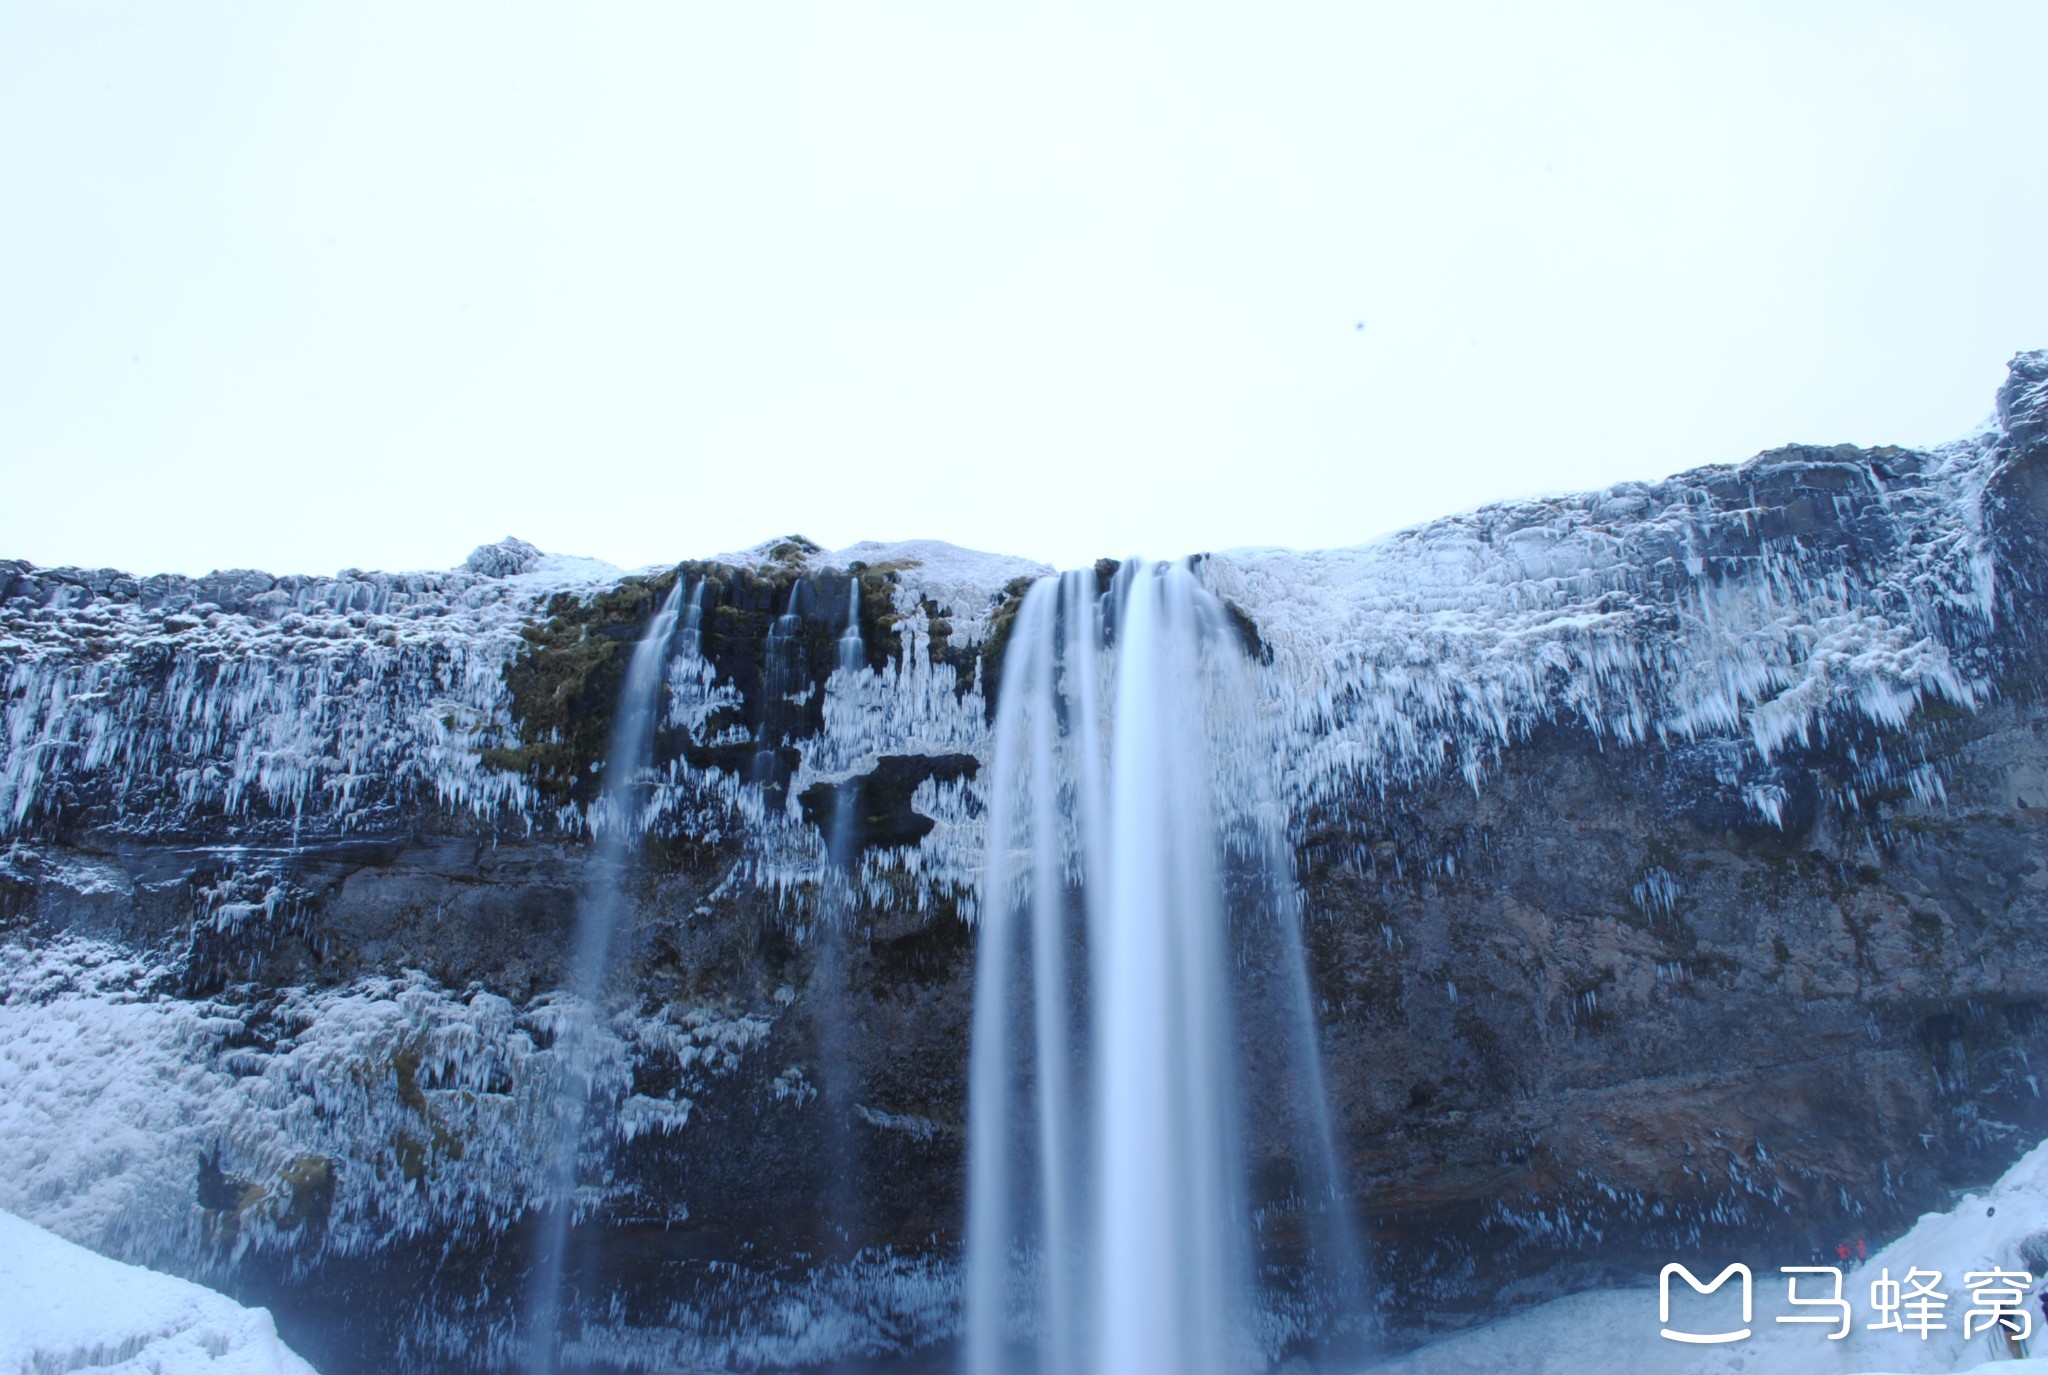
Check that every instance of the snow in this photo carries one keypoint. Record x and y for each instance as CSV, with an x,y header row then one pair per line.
x,y
1617,1330
324,700
966,581
1688,611
552,573
64,1308
330,703
1670,611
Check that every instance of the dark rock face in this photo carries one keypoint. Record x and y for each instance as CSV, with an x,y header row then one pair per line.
x,y
1585,992
885,815
1623,998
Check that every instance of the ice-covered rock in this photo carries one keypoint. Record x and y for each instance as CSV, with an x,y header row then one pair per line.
x,y
1767,604
509,556
2023,400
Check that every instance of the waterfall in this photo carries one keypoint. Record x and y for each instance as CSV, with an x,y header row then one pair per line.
x,y
779,676
853,659
1108,1219
838,907
617,826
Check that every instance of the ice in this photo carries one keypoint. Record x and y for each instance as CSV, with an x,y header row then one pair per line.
x,y
1687,610
404,1105
327,702
317,705
1669,611
64,1308
913,705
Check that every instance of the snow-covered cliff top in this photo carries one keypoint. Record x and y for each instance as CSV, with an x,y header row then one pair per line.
x,y
1760,606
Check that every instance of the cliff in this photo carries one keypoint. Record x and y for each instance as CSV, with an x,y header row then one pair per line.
x,y
1669,856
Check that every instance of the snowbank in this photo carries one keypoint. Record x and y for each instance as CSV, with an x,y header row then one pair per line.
x,y
1617,1330
64,1308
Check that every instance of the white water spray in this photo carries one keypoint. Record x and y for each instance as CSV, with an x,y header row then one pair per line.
x,y
1104,1126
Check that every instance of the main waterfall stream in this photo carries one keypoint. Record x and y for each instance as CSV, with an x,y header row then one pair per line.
x,y
1132,837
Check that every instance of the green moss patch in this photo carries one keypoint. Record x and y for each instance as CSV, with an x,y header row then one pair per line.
x,y
565,687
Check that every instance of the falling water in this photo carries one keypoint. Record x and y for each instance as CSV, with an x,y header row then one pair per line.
x,y
616,824
778,678
838,908
1106,1180
853,658
689,641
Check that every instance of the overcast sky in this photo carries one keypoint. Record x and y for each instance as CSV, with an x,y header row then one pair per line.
x,y
300,287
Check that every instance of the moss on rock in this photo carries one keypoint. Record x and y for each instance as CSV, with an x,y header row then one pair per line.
x,y
565,687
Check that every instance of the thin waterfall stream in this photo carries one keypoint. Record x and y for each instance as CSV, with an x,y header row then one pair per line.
x,y
617,828
839,910
779,676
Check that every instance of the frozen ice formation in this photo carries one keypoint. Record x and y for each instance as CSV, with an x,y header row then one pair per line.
x,y
428,1105
1763,607
331,701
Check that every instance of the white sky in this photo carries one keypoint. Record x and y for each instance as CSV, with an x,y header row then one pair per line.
x,y
301,287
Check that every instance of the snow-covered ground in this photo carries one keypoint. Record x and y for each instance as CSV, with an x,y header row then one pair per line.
x,y
64,1308
1617,1331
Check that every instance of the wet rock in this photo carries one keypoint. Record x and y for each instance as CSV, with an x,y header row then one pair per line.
x,y
883,815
